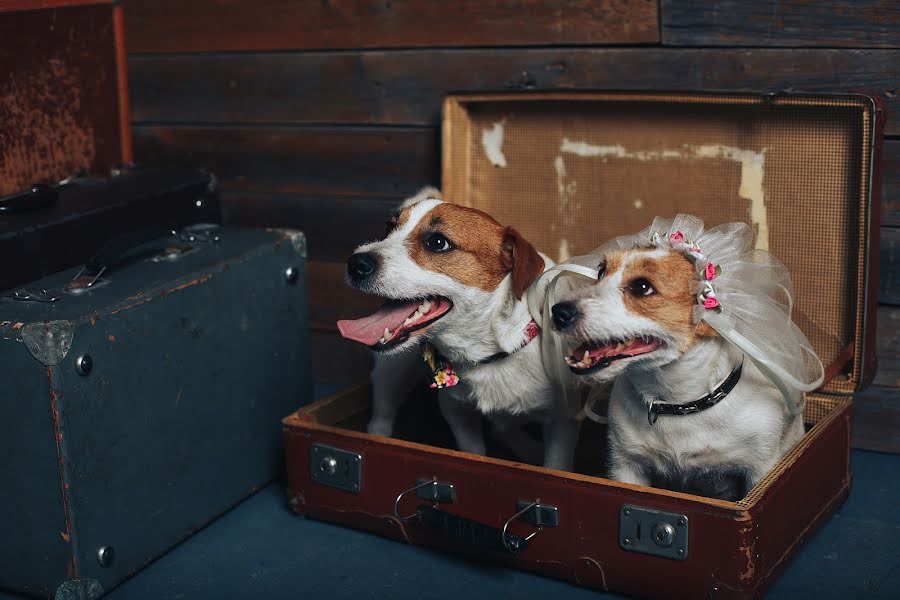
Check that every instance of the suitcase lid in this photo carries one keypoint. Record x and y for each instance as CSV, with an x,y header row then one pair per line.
x,y
63,95
573,170
44,314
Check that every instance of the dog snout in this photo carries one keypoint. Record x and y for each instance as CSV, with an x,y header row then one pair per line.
x,y
565,315
361,266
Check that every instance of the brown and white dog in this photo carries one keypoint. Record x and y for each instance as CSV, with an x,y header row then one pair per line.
x,y
635,326
455,277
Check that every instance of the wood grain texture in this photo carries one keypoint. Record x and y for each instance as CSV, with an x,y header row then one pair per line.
x,y
371,161
889,267
334,225
890,195
830,23
876,420
888,347
216,25
336,360
408,87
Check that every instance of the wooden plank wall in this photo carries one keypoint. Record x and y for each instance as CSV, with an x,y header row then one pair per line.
x,y
323,114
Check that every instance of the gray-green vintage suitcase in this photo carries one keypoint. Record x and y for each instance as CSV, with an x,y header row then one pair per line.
x,y
136,410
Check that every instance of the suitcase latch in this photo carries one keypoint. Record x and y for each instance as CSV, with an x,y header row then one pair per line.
x,y
335,467
653,532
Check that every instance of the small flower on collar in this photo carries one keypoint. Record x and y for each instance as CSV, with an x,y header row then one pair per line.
x,y
676,238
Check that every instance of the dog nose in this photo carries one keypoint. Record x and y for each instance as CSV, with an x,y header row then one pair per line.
x,y
361,265
565,314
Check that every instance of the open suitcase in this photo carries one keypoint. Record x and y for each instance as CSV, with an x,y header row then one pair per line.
x,y
572,171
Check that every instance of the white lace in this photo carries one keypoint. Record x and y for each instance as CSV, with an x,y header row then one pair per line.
x,y
753,289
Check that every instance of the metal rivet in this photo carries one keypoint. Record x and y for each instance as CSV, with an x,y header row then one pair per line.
x,y
681,522
680,551
105,555
328,465
290,275
627,541
84,364
199,203
626,512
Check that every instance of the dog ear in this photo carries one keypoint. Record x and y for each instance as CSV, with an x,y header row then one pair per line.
x,y
522,259
705,331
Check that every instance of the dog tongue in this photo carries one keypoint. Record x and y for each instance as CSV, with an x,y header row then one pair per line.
x,y
369,330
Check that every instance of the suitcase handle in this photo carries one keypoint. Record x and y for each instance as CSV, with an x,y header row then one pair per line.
x,y
474,533
114,253
36,197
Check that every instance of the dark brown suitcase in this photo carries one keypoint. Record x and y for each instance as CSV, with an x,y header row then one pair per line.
x,y
801,170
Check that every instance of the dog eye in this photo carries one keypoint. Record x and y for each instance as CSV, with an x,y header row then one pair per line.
x,y
640,287
436,242
601,270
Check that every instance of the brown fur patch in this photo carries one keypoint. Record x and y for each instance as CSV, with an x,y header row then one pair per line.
x,y
522,259
672,303
478,259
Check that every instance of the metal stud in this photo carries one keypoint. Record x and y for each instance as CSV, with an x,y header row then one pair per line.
x,y
105,555
84,364
291,275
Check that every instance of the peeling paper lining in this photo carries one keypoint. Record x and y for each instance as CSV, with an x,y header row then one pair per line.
x,y
492,140
752,171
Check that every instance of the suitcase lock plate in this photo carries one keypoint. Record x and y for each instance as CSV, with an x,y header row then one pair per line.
x,y
335,467
653,532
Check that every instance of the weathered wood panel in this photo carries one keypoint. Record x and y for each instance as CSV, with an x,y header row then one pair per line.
x,y
829,23
890,195
876,420
889,267
888,347
372,161
216,25
334,225
336,360
407,87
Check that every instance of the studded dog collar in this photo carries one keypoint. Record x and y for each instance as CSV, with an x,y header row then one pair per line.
x,y
700,404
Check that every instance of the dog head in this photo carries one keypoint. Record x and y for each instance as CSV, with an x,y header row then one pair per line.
x,y
440,268
639,313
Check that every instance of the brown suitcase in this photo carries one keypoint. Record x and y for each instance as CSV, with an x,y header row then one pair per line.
x,y
801,170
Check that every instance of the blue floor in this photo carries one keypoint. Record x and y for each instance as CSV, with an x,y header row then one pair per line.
x,y
261,550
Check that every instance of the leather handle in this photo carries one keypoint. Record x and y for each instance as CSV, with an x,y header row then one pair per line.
x,y
470,533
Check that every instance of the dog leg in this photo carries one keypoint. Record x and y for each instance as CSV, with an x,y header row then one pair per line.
x,y
510,432
464,421
627,472
560,439
393,377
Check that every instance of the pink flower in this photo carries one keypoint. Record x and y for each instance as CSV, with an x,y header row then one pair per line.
x,y
710,302
677,237
710,272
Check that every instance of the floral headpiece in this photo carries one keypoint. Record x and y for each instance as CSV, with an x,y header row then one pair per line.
x,y
707,270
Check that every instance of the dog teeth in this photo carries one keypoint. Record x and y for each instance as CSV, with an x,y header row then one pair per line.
x,y
407,321
587,356
425,306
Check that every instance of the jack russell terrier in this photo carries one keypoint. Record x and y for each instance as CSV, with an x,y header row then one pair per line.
x,y
453,278
689,410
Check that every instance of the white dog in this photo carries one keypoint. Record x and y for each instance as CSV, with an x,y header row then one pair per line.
x,y
454,277
688,411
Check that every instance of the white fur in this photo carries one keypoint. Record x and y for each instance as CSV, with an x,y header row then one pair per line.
x,y
750,429
481,323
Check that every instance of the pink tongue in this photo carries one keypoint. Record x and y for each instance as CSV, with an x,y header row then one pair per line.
x,y
369,330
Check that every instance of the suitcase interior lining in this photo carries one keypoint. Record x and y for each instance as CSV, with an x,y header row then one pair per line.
x,y
571,171
419,421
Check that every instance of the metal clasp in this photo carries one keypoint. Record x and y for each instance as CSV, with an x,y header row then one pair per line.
x,y
539,515
41,295
427,489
